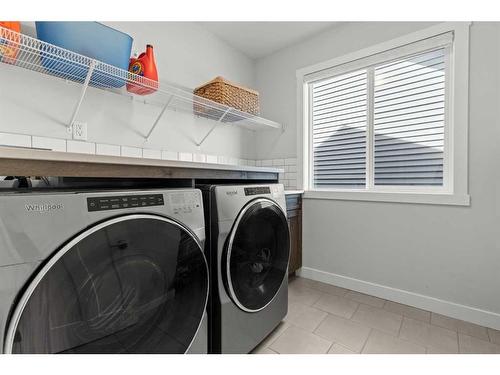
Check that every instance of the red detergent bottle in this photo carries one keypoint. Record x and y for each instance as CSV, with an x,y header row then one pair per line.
x,y
144,66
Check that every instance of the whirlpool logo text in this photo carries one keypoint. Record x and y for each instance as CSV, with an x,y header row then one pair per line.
x,y
44,207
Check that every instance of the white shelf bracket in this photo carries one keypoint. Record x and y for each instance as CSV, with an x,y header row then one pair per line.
x,y
146,138
213,127
92,66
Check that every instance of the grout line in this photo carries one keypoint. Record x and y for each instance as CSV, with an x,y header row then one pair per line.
x,y
321,321
400,325
330,347
355,311
278,336
367,337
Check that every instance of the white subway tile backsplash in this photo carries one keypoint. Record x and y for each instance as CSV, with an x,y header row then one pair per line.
x,y
288,175
108,150
131,152
267,163
54,144
200,158
212,159
169,155
16,140
80,147
151,154
223,159
185,156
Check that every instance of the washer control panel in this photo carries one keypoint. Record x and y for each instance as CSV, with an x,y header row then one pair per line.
x,y
124,201
185,202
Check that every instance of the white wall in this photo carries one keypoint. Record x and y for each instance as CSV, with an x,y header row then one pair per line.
x,y
186,54
442,258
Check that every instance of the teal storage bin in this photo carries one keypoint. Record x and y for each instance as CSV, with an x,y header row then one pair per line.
x,y
91,39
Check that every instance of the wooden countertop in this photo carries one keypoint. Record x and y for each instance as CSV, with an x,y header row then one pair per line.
x,y
294,192
32,162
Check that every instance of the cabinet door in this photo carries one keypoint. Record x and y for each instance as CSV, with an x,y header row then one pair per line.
x,y
294,222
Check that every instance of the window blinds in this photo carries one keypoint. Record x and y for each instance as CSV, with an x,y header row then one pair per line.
x,y
409,111
339,121
400,104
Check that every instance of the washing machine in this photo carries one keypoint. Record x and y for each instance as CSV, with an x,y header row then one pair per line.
x,y
248,249
103,272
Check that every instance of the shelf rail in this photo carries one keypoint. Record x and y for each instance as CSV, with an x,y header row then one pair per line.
x,y
33,54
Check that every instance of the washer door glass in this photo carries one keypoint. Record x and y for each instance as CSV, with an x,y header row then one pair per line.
x,y
134,284
256,258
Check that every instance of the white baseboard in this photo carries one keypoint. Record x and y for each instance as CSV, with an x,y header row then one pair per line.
x,y
455,310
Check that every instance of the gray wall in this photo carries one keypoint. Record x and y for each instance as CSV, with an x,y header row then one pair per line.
x,y
440,257
186,54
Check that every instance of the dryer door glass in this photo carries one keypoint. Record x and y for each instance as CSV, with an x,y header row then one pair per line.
x,y
256,258
134,284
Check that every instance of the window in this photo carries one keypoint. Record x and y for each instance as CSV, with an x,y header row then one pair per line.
x,y
382,123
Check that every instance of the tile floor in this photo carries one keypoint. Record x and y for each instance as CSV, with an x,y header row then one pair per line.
x,y
323,318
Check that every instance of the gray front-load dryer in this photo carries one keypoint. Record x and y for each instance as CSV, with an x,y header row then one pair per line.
x,y
248,249
103,272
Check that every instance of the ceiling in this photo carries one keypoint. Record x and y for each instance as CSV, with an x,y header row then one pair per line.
x,y
259,39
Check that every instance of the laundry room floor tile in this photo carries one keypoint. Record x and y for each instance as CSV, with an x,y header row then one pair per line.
x,y
336,305
263,350
299,341
365,298
274,334
300,281
380,319
473,345
408,311
330,289
428,335
304,316
303,294
324,318
382,343
460,326
340,349
343,331
494,335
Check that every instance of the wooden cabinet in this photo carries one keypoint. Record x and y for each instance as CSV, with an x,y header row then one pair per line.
x,y
294,216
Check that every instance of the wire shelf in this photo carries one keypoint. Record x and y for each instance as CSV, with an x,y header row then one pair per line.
x,y
33,54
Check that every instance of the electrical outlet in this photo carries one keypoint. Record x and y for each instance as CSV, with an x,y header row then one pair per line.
x,y
80,130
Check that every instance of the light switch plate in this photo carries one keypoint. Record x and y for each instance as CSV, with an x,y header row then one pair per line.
x,y
80,130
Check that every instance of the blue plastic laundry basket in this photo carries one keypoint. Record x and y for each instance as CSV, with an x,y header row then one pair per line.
x,y
91,39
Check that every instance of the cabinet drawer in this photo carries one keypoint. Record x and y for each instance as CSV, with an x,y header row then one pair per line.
x,y
293,202
293,213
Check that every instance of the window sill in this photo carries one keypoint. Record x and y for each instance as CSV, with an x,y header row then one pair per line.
x,y
395,197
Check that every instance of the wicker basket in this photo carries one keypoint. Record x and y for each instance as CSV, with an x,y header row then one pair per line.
x,y
222,91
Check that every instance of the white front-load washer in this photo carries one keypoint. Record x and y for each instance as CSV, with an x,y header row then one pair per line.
x,y
103,272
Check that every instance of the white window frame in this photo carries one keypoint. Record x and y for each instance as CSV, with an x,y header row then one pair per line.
x,y
455,179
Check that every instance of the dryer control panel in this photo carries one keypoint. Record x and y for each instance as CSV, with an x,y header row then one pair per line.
x,y
124,201
257,190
